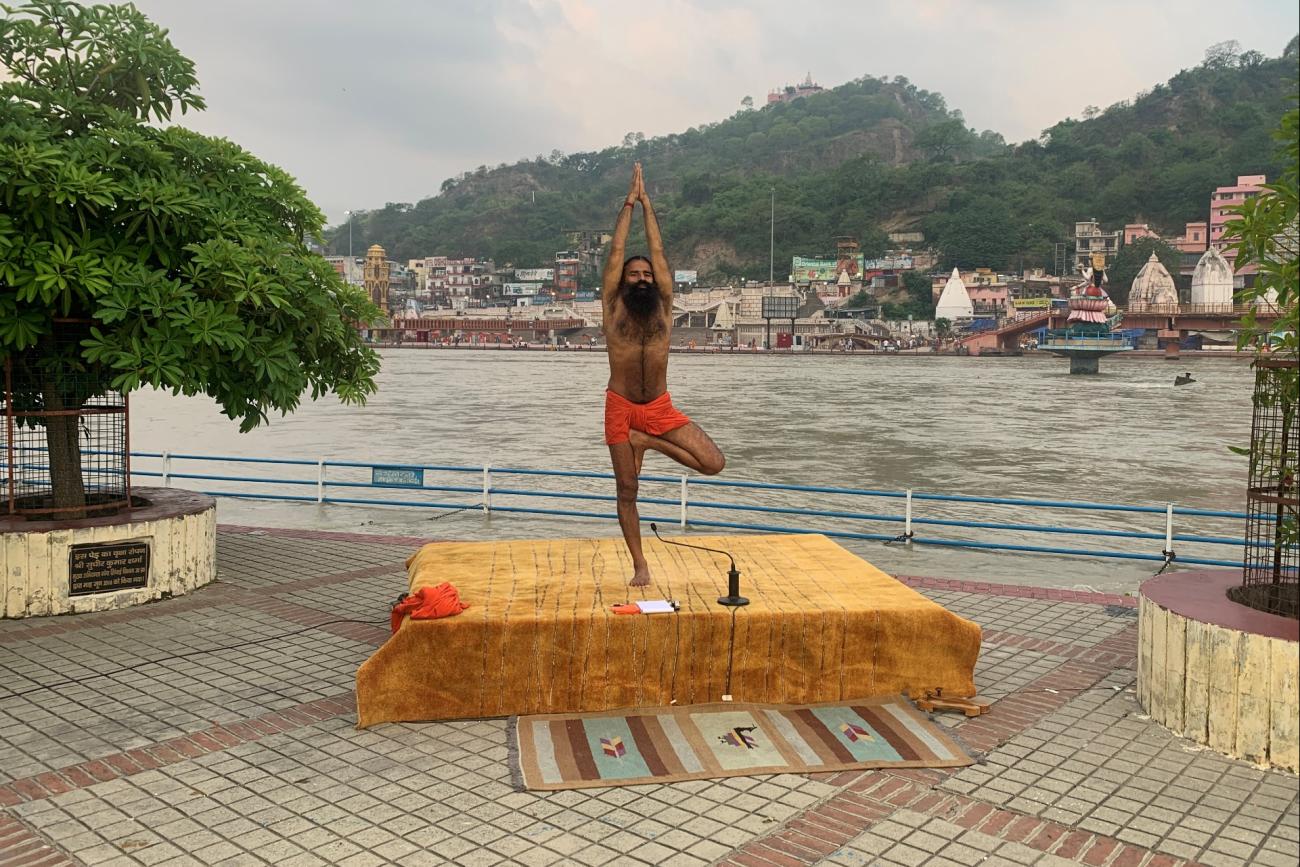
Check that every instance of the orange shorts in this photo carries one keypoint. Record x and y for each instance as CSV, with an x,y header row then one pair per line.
x,y
656,417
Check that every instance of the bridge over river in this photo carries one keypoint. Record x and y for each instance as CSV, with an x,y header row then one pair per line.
x,y
1170,322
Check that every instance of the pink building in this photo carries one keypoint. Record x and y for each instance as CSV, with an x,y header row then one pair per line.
x,y
1225,198
1133,231
1195,239
989,300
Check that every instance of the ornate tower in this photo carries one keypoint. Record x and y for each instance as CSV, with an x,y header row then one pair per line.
x,y
376,277
846,256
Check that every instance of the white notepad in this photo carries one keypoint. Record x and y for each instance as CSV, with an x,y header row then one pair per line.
x,y
656,606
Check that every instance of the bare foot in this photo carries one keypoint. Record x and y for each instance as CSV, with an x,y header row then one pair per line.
x,y
641,577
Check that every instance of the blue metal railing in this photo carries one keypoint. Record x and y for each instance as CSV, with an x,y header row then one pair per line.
x,y
805,507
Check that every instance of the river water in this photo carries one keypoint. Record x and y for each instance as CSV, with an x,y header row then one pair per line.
x,y
1002,427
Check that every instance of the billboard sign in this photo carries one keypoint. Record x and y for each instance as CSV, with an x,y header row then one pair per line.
x,y
688,278
517,289
780,307
889,263
1032,303
807,270
540,275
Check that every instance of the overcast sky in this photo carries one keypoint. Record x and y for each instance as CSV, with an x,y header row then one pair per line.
x,y
380,100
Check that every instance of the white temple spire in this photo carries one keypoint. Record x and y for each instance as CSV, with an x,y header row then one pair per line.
x,y
954,301
1212,279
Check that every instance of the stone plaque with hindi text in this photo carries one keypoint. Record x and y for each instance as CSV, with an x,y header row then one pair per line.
x,y
107,567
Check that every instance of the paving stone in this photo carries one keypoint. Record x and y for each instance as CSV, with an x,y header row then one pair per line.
x,y
419,794
1276,859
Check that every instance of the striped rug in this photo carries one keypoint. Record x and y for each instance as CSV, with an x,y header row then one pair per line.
x,y
697,742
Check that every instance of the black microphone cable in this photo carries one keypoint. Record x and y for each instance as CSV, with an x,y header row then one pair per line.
x,y
733,600
733,596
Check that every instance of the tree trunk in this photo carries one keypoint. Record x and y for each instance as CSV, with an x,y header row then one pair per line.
x,y
64,444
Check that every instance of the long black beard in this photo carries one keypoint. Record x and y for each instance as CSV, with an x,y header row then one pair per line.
x,y
641,299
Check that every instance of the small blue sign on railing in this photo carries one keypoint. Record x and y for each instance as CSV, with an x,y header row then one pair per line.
x,y
397,477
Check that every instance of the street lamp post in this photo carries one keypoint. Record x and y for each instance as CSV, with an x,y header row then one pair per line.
x,y
771,242
349,216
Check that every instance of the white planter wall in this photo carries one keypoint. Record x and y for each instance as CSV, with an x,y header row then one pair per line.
x,y
180,526
1228,688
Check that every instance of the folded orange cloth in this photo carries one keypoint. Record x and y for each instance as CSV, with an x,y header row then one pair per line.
x,y
428,603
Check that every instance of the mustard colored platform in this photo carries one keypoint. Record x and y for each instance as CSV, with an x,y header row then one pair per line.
x,y
539,636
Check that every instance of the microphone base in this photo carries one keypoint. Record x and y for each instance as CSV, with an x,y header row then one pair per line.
x,y
735,601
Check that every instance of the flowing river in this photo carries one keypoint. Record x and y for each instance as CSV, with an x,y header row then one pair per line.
x,y
1002,427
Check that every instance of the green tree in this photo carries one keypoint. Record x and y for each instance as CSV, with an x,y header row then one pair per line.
x,y
946,140
920,294
1266,233
1129,261
1153,158
184,256
978,234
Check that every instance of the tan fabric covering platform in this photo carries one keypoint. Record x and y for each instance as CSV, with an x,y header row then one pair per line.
x,y
539,636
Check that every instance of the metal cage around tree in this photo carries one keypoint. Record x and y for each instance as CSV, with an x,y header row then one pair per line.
x,y
65,433
1271,564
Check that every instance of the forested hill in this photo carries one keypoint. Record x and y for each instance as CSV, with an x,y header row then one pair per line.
x,y
869,157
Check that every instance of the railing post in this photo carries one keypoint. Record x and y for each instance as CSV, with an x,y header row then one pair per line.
x,y
167,470
683,502
1169,530
907,517
320,480
487,489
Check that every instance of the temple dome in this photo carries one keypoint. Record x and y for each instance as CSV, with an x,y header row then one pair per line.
x,y
954,301
1152,286
1212,279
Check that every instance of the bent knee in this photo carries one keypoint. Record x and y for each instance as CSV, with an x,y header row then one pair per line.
x,y
714,464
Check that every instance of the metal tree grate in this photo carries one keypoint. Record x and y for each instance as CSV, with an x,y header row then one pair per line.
x,y
1271,563
64,434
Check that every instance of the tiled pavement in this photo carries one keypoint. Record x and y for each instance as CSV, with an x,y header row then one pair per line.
x,y
247,755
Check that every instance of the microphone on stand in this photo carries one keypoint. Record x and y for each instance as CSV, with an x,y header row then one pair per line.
x,y
733,597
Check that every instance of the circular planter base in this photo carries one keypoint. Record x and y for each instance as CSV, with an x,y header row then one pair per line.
x,y
166,548
1218,672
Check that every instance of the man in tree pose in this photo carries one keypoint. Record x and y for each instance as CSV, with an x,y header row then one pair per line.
x,y
637,300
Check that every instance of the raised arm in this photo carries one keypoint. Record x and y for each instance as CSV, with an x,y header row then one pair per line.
x,y
655,241
614,264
